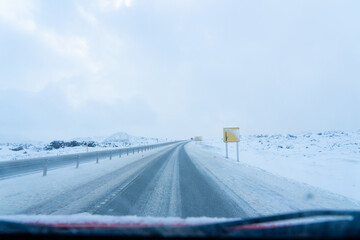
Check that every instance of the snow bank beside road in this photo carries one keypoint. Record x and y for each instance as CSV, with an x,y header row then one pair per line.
x,y
264,192
329,160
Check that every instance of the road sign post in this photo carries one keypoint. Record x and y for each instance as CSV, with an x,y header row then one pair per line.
x,y
227,152
237,151
77,161
231,135
45,167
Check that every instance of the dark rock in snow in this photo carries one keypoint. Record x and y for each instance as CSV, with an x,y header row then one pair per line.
x,y
289,136
72,144
91,144
261,136
61,144
47,148
57,144
19,148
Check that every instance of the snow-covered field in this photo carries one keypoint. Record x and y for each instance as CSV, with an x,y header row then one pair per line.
x,y
13,151
327,160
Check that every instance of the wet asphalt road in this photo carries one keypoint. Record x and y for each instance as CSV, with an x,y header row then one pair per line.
x,y
170,185
164,183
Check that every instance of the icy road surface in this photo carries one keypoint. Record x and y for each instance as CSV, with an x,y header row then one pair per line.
x,y
180,180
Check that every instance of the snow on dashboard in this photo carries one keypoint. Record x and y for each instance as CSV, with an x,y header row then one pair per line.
x,y
86,220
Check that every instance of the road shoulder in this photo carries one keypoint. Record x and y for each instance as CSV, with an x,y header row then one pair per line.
x,y
263,191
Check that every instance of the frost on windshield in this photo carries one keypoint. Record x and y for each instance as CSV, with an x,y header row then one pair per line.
x,y
118,108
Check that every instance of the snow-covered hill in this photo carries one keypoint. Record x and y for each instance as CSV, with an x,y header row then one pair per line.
x,y
13,151
126,139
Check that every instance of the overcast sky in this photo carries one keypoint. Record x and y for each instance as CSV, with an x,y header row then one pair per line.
x,y
177,68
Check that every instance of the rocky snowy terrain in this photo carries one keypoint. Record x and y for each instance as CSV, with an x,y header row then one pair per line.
x,y
309,144
328,160
13,151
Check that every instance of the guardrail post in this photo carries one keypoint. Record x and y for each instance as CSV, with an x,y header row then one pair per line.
x,y
110,155
45,167
119,153
127,152
133,151
77,161
97,157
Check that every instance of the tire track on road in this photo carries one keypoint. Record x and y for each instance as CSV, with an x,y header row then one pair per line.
x,y
85,197
134,198
201,196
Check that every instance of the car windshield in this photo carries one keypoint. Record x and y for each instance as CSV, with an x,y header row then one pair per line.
x,y
179,112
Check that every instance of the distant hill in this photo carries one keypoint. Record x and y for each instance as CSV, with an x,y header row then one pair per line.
x,y
124,138
120,139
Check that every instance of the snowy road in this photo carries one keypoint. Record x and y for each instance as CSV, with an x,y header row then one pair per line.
x,y
164,184
171,185
179,180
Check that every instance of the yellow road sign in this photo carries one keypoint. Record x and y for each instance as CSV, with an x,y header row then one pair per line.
x,y
198,138
231,134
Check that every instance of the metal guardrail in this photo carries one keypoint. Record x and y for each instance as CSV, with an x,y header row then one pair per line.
x,y
16,167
